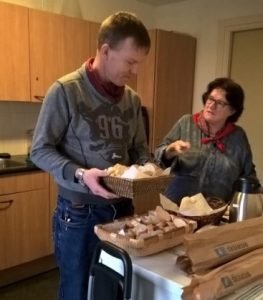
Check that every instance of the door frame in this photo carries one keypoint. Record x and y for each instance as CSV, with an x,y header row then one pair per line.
x,y
226,30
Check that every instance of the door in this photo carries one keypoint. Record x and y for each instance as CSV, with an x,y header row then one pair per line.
x,y
174,71
246,67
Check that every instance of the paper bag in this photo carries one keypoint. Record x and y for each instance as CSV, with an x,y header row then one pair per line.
x,y
226,279
214,247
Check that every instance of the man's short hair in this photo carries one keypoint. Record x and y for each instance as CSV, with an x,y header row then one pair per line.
x,y
121,25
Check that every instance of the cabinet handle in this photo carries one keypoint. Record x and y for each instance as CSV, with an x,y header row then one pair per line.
x,y
39,98
7,203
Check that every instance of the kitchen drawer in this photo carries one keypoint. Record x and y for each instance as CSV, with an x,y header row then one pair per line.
x,y
22,182
24,227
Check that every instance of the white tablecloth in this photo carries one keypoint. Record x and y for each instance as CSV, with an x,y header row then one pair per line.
x,y
155,277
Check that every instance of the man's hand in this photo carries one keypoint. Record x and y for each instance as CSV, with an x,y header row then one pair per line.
x,y
91,178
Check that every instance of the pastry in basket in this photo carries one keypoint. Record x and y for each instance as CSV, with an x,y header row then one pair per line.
x,y
195,206
116,170
151,169
135,171
136,180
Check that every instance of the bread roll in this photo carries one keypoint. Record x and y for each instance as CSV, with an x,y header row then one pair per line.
x,y
195,206
116,170
134,173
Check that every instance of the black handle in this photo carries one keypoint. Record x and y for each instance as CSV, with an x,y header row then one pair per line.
x,y
8,203
5,155
39,98
247,185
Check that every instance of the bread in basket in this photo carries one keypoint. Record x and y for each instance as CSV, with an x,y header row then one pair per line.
x,y
136,180
203,211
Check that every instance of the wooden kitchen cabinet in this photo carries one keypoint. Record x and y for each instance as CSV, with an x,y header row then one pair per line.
x,y
46,51
24,218
165,81
14,58
38,47
58,45
78,46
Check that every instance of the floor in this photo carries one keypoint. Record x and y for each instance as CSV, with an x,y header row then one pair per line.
x,y
41,287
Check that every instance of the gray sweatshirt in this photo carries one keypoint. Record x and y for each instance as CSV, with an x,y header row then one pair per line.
x,y
78,127
212,170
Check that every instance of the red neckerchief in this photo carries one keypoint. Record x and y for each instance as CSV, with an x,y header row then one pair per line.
x,y
201,123
106,89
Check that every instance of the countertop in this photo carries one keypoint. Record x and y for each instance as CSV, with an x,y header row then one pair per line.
x,y
26,165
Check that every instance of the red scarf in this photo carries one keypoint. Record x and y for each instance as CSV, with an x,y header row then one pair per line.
x,y
217,139
106,89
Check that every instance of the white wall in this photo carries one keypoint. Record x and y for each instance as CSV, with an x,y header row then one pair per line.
x,y
92,10
201,18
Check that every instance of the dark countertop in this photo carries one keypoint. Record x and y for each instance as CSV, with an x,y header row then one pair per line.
x,y
25,165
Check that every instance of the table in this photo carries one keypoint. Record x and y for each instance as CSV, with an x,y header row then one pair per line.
x,y
155,277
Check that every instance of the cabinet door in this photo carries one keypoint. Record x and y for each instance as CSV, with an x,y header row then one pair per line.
x,y
76,43
24,227
14,58
94,30
146,82
58,45
80,42
175,62
46,51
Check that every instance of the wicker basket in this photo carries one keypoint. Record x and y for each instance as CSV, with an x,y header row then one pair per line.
x,y
146,246
130,188
213,218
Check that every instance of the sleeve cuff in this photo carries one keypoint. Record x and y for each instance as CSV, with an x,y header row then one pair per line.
x,y
69,172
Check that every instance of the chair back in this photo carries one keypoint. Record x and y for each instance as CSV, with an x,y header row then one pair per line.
x,y
110,274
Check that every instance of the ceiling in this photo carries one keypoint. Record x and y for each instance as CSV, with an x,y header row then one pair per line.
x,y
159,2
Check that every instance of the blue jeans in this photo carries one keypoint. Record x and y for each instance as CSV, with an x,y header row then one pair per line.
x,y
75,240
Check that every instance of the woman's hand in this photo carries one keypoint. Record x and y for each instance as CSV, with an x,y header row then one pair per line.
x,y
176,148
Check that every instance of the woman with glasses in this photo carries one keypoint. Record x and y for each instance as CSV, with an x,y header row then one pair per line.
x,y
207,151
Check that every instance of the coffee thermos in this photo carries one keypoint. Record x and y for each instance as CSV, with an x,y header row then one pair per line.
x,y
247,201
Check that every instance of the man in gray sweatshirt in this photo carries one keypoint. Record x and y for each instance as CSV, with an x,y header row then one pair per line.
x,y
90,120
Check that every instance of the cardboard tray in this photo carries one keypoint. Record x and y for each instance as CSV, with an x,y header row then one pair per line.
x,y
143,246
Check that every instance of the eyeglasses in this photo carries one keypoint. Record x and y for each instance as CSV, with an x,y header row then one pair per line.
x,y
218,103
